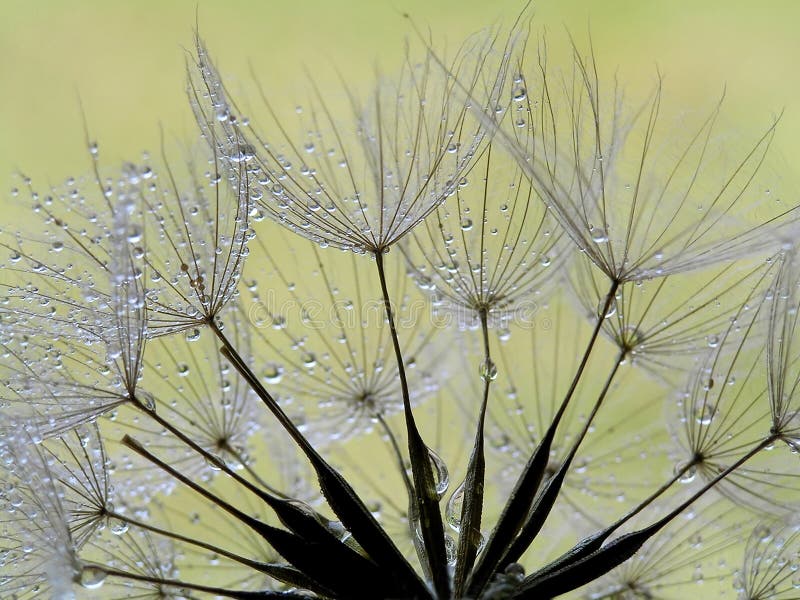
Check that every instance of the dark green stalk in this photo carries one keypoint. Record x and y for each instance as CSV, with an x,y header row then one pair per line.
x,y
524,493
282,573
426,498
618,551
588,545
290,514
355,516
546,500
174,583
471,512
310,547
412,511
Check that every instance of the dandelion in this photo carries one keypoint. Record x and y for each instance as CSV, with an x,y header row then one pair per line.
x,y
724,414
199,242
670,321
341,355
413,142
781,353
179,424
64,380
490,250
639,196
148,565
39,554
769,568
200,394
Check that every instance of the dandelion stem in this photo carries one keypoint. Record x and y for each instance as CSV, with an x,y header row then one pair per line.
x,y
310,547
421,471
344,501
215,460
518,507
281,573
618,551
546,500
137,447
592,543
412,511
256,477
173,583
471,512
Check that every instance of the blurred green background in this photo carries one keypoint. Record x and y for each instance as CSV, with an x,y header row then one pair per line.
x,y
126,63
125,60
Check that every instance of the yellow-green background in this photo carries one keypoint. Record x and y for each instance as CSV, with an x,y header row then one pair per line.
x,y
125,60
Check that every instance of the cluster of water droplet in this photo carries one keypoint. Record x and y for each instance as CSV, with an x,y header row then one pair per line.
x,y
771,566
338,194
488,249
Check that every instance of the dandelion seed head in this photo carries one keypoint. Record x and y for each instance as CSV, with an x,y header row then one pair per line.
x,y
665,324
40,555
725,407
639,196
485,250
770,565
782,360
411,144
330,353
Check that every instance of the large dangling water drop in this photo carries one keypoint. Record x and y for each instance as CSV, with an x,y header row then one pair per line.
x,y
455,504
92,577
441,474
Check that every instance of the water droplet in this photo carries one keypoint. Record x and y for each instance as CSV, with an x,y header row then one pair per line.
x,y
466,224
599,236
580,465
117,526
244,153
147,401
192,335
762,533
516,571
713,341
610,311
704,413
689,473
441,475
134,234
272,373
454,506
488,370
92,577
183,370
309,360
215,463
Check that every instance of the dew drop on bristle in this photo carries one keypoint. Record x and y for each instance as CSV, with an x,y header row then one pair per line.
x,y
91,577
